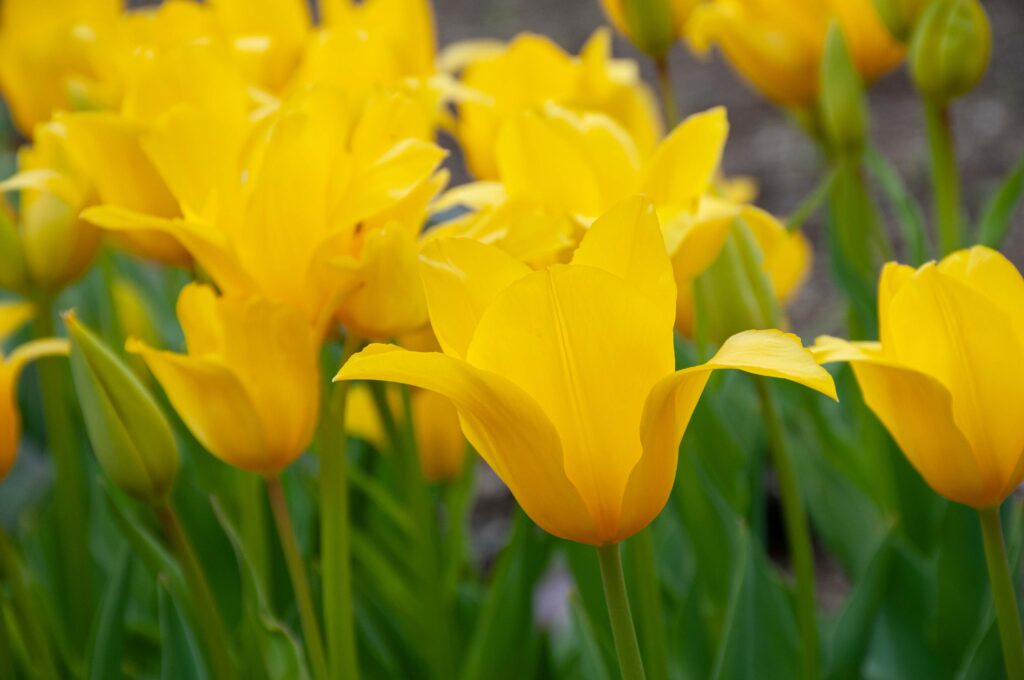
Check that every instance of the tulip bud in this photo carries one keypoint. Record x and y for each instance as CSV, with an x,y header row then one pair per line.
x,y
899,16
841,106
950,49
129,433
58,247
740,289
651,25
12,260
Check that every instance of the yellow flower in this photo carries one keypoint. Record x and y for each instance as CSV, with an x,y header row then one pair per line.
x,y
777,46
248,387
266,37
531,70
559,170
945,378
324,213
55,246
47,53
12,316
563,378
651,25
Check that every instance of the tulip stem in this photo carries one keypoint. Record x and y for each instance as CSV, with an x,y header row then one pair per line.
x,y
335,533
1003,594
70,488
300,581
945,178
797,532
666,91
213,634
641,555
253,525
623,630
33,633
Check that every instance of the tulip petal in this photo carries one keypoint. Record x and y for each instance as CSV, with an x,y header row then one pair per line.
x,y
787,255
461,278
926,430
971,345
988,272
684,165
10,369
503,423
626,241
549,334
13,315
214,405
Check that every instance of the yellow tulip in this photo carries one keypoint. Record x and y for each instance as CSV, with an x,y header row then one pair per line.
x,y
56,247
267,36
46,52
563,378
248,387
944,378
317,225
651,25
12,316
530,71
777,46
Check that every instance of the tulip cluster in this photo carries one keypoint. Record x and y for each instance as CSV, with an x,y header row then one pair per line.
x,y
501,251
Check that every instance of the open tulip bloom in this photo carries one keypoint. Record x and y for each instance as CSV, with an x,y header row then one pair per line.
x,y
563,378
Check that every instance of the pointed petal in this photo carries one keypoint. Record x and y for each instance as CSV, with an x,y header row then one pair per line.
x,y
461,278
918,412
787,255
988,272
503,423
549,334
626,241
13,316
684,165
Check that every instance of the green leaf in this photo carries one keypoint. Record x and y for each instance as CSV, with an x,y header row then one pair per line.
x,y
1000,207
812,203
107,650
908,212
279,655
179,653
962,583
760,638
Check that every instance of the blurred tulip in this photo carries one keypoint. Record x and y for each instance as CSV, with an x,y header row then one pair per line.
x,y
651,25
900,16
12,316
940,380
950,49
267,36
504,81
130,435
563,378
249,387
46,54
53,245
778,46
304,222
842,109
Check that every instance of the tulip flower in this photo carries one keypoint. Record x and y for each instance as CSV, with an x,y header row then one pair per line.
x,y
939,381
777,46
563,378
12,316
530,71
651,25
248,386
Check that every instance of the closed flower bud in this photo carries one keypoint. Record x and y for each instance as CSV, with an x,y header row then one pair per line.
x,y
842,110
12,260
129,433
58,246
651,25
950,49
900,16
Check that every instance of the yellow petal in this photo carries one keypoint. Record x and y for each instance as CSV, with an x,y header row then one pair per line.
x,y
988,272
684,165
362,420
626,241
970,344
549,334
461,278
13,316
439,440
918,412
787,255
504,424
893,276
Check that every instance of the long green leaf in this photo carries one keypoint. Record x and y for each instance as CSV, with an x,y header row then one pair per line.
x,y
1000,207
180,658
908,212
107,651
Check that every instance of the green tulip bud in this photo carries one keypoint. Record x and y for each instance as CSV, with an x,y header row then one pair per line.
x,y
58,246
899,16
841,106
950,49
651,25
129,433
13,274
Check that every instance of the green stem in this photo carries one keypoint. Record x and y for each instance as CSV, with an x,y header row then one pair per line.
x,y
945,178
70,491
666,91
300,582
213,634
7,668
254,525
648,600
1003,593
32,629
623,631
335,536
797,532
